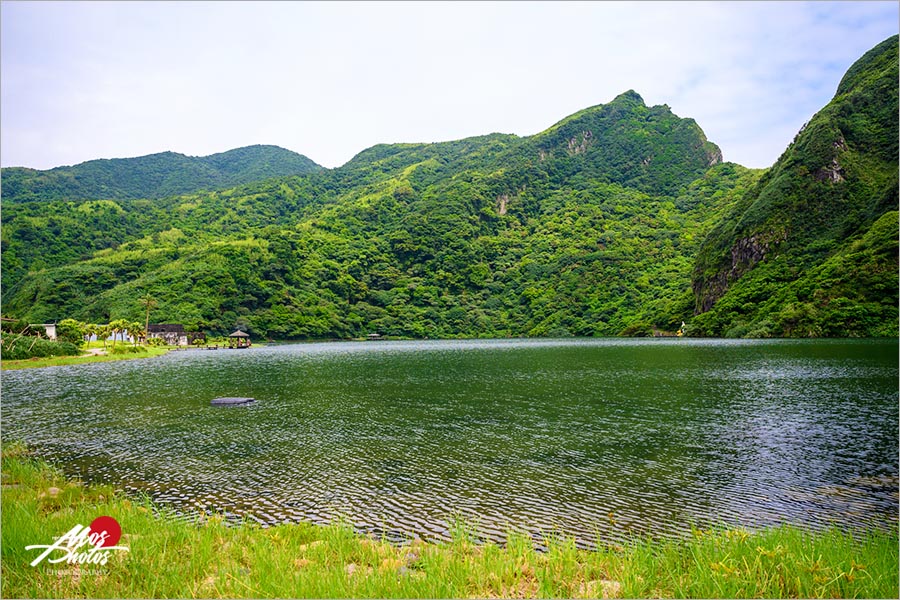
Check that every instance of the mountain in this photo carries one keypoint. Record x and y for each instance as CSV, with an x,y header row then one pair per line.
x,y
152,176
587,228
812,249
621,219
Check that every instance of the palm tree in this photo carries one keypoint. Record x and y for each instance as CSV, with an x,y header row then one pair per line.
x,y
136,330
116,327
148,302
103,332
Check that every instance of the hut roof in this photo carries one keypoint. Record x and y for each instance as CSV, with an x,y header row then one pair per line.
x,y
239,333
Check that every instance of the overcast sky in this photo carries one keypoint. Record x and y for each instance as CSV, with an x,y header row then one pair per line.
x,y
119,79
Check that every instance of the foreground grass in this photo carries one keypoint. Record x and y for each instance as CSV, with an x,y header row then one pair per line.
x,y
170,558
58,361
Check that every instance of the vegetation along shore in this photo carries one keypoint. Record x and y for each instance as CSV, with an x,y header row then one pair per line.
x,y
167,557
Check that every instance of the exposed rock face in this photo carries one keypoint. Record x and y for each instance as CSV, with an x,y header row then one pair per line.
x,y
502,201
576,146
745,253
713,155
833,172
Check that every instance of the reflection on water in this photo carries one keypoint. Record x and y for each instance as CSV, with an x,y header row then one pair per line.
x,y
588,438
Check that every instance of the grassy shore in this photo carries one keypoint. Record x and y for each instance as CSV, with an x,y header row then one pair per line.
x,y
58,361
170,558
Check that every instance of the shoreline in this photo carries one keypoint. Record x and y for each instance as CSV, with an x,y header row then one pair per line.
x,y
209,558
154,351
88,358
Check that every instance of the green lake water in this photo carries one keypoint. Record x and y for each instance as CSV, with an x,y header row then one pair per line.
x,y
588,438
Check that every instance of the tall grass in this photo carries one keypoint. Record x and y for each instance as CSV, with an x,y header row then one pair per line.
x,y
208,558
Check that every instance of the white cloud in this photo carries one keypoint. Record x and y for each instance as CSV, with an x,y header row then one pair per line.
x,y
89,80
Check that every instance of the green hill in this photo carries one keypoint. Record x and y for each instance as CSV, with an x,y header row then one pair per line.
x,y
152,176
586,228
768,268
620,219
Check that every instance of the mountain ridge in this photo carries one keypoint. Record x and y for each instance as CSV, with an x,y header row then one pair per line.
x,y
152,175
616,220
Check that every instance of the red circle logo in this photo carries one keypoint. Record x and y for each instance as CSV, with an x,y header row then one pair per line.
x,y
108,525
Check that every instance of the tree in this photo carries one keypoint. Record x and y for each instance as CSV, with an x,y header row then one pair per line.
x,y
90,330
148,302
103,332
117,327
70,330
136,330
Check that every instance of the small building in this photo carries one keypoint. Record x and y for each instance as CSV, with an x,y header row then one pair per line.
x,y
171,334
239,339
50,329
194,336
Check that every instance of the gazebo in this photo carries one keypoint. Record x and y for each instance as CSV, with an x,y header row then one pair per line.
x,y
239,339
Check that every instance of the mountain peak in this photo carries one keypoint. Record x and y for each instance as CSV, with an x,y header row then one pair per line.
x,y
627,142
630,96
880,59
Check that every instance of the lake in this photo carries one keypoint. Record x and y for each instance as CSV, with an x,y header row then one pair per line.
x,y
596,439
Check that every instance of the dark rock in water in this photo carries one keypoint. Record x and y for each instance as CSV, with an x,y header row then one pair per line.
x,y
231,401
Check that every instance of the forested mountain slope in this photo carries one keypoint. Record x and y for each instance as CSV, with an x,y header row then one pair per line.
x,y
620,219
152,176
812,249
587,228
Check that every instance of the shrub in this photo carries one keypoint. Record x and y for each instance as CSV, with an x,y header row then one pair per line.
x,y
20,347
72,331
639,329
128,350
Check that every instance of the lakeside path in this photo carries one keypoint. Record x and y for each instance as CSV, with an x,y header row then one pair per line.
x,y
168,557
93,355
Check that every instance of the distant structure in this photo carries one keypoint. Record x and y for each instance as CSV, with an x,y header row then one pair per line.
x,y
239,339
50,329
171,334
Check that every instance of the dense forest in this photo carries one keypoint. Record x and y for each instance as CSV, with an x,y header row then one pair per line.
x,y
621,219
153,176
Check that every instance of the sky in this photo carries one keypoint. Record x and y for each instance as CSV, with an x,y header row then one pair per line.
x,y
87,80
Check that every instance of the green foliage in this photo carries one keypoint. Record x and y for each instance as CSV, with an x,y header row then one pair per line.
x,y
153,176
786,259
851,294
71,331
20,327
478,237
617,220
128,350
20,347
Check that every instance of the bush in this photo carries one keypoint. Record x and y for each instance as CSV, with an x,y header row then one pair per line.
x,y
738,330
128,350
639,329
70,330
20,347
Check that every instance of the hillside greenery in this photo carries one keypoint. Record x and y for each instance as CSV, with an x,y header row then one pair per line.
x,y
152,176
812,249
620,219
490,236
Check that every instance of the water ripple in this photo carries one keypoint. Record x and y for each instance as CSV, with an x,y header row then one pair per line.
x,y
597,439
